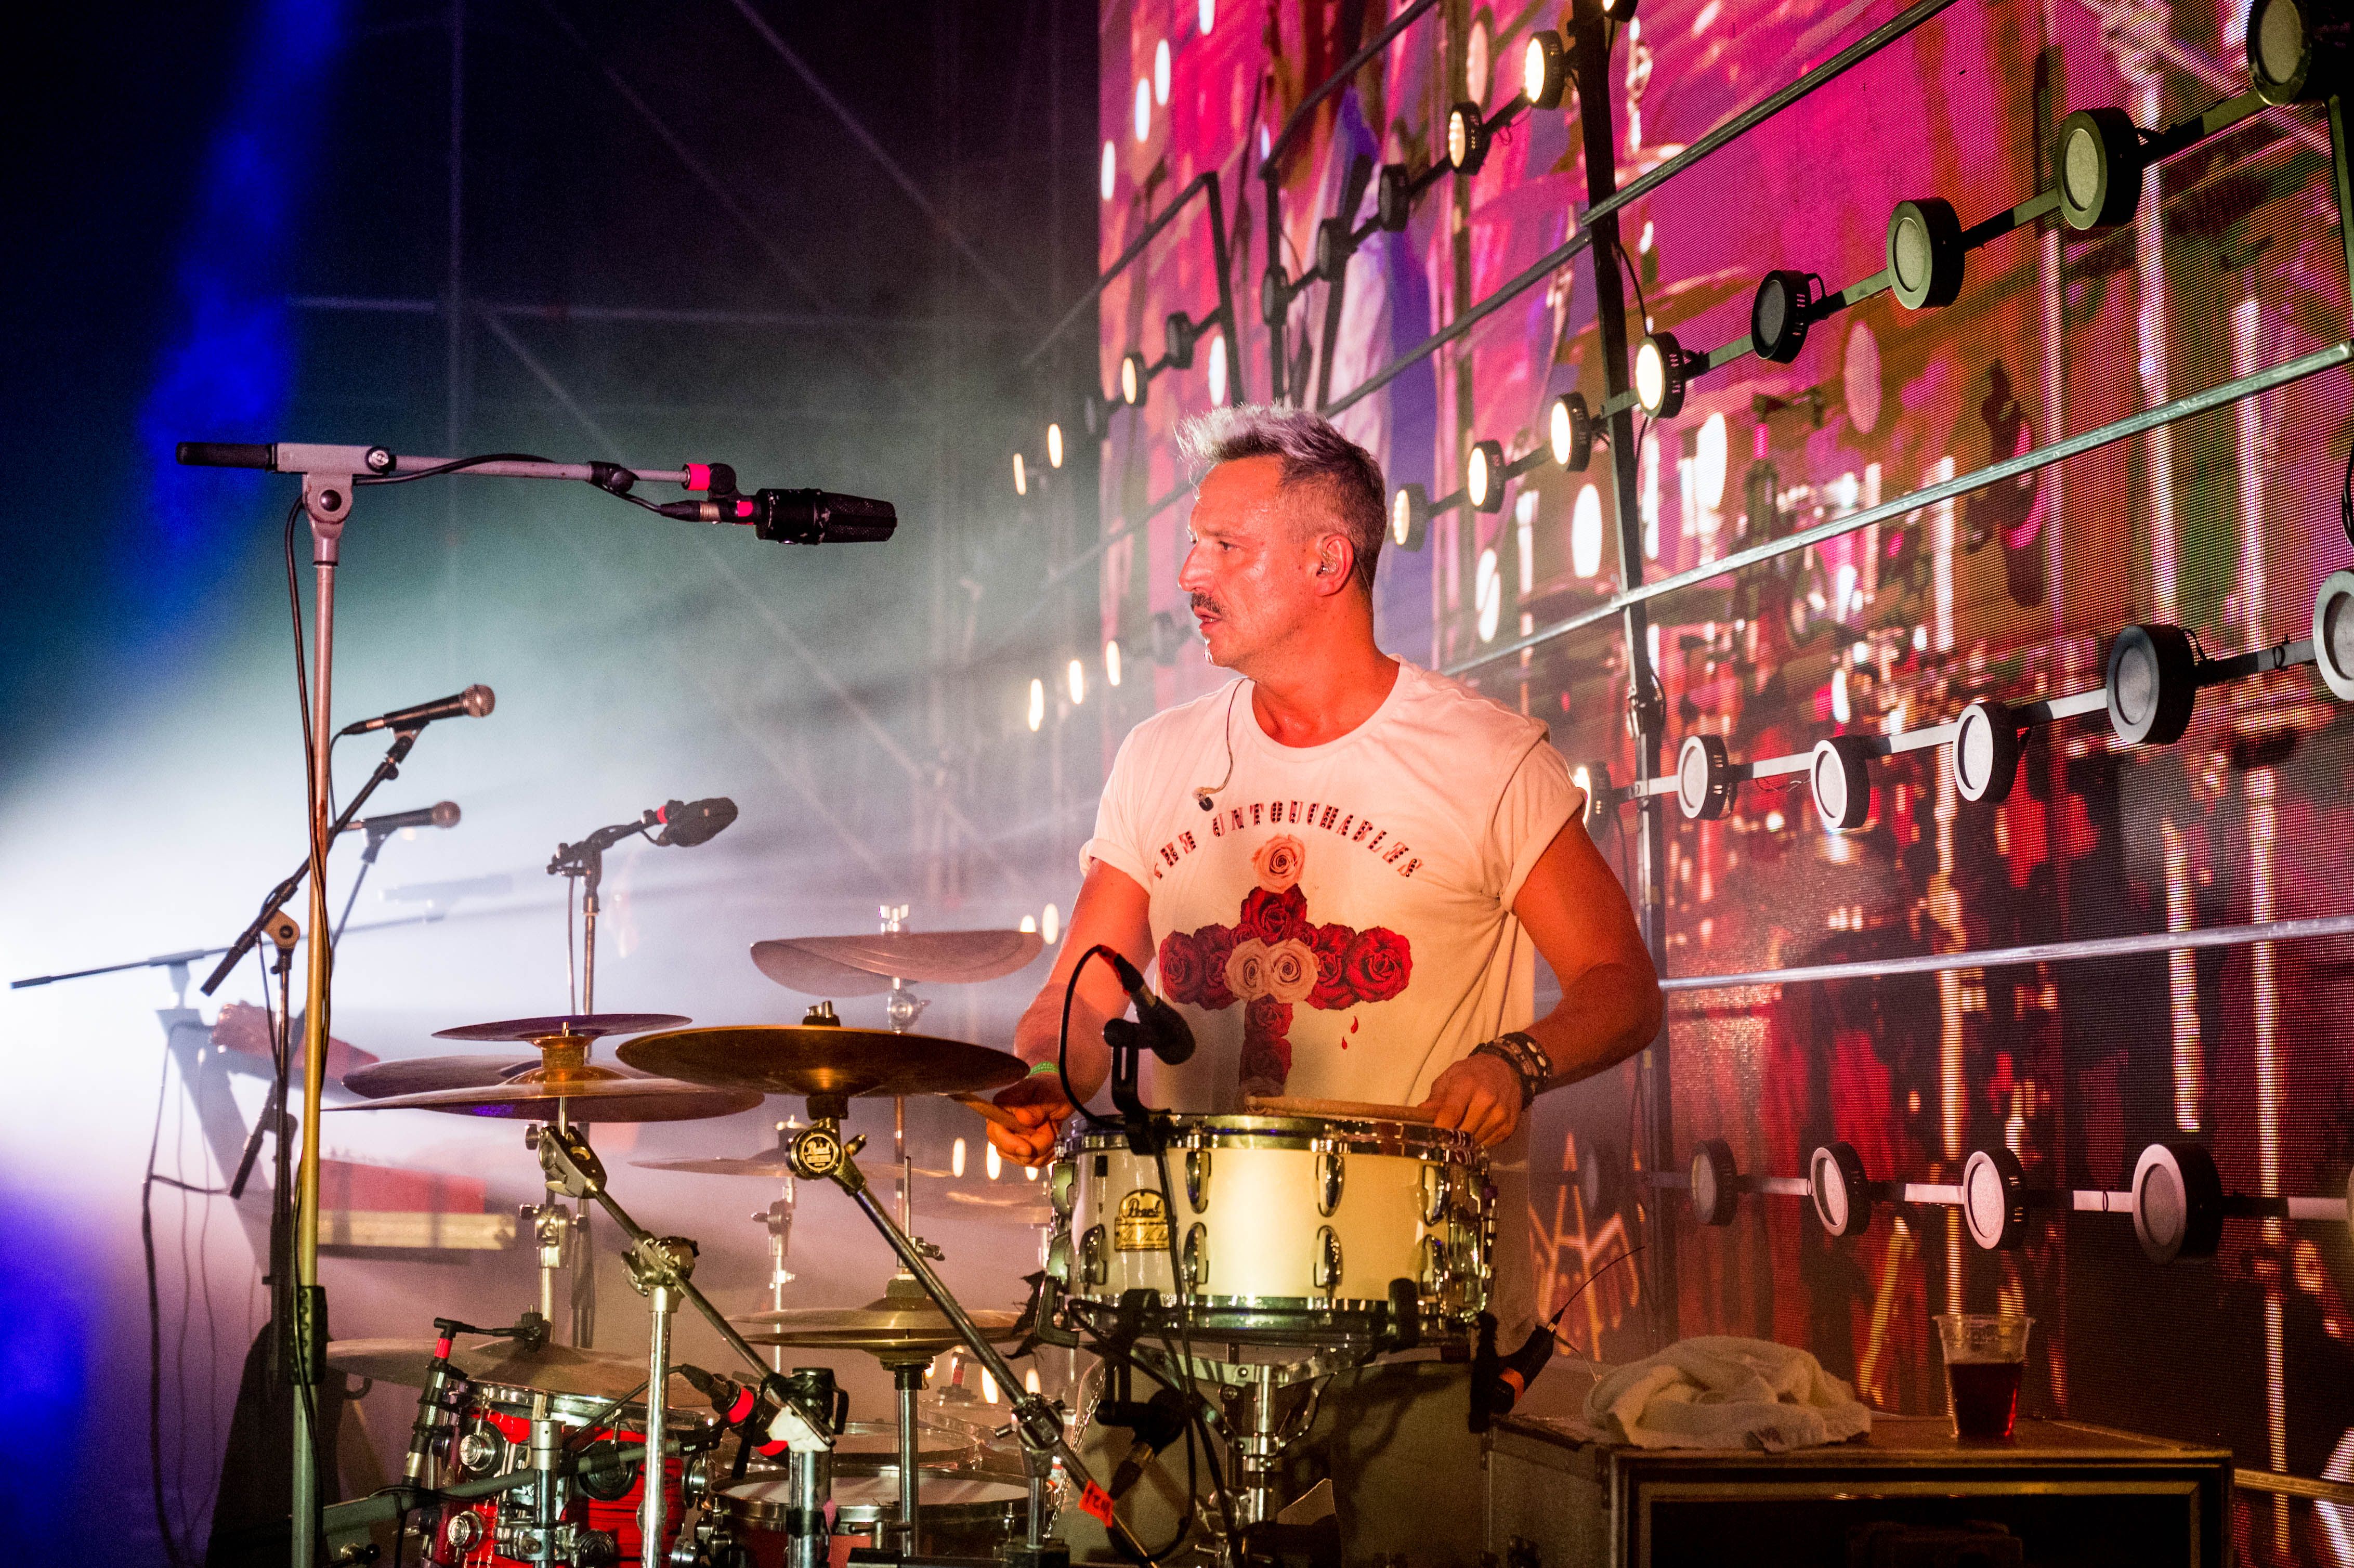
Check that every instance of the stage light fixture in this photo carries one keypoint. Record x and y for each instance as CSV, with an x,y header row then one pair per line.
x,y
1076,675
1842,1192
1705,783
1544,69
2298,49
1095,413
2333,634
1619,11
1111,662
1133,380
1570,431
2178,1202
1662,371
1715,1183
1054,445
1037,710
1782,311
1923,253
1179,334
1994,1199
1841,772
1483,476
1985,752
1393,197
1333,246
1274,295
2101,161
1409,516
1467,138
2152,684
1594,777
1020,475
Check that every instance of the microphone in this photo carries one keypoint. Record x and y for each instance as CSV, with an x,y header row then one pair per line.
x,y
1158,1421
686,823
795,516
744,1408
472,702
1165,1029
441,814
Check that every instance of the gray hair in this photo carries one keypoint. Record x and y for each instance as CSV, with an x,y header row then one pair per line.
x,y
1314,454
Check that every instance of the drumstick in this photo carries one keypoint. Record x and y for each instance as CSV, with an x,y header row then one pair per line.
x,y
989,1111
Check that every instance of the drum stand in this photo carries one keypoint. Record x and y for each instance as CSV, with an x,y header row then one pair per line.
x,y
820,1152
662,1268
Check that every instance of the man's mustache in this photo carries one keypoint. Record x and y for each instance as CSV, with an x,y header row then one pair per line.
x,y
1204,605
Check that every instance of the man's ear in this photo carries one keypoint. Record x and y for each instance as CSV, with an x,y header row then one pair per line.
x,y
1336,559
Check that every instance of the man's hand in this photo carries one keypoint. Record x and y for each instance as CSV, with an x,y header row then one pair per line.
x,y
1038,1103
1481,1095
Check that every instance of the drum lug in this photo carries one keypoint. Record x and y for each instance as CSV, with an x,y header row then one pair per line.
x,y
1435,1186
1062,1185
1197,1256
1094,1267
1434,1264
1326,1272
1197,1180
1332,1170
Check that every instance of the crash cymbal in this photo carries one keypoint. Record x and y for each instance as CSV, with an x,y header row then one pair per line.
x,y
587,1024
769,1164
551,1369
889,1325
591,1094
1017,1204
864,966
822,1059
421,1074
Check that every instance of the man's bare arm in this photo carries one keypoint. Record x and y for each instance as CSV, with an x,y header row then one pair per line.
x,y
1114,911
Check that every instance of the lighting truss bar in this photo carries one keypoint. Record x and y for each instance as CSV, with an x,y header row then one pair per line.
x,y
2079,1200
2132,425
1863,48
2315,927
1206,183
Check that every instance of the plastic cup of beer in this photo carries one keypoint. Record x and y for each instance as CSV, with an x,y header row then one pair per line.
x,y
1986,1353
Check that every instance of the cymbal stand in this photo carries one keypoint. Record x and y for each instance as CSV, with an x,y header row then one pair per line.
x,y
820,1151
777,1220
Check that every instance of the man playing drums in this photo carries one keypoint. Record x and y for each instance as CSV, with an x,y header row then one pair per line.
x,y
1344,867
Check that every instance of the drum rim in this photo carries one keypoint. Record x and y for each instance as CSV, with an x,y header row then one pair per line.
x,y
515,1399
772,1514
1354,1135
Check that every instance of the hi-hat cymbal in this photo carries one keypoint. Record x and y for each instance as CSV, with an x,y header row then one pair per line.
x,y
420,1074
590,1095
864,966
551,1369
889,1325
822,1059
588,1025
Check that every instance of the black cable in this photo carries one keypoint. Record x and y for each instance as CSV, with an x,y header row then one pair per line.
x,y
1633,276
437,470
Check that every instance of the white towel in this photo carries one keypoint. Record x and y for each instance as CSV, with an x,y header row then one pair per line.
x,y
1719,1391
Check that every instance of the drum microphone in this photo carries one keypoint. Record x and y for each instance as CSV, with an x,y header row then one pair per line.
x,y
441,814
1165,1030
1158,1421
685,823
794,516
739,1407
472,702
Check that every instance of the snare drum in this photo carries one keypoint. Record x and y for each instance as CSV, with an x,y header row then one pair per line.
x,y
1289,1228
493,1439
959,1516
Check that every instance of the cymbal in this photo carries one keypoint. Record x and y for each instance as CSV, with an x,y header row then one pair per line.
x,y
864,966
551,1369
887,1325
588,1024
770,1164
1019,1203
822,1059
588,1095
420,1074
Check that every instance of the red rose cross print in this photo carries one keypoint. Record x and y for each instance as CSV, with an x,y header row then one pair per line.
x,y
1273,958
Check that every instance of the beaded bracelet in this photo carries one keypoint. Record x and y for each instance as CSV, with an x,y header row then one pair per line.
x,y
1520,1051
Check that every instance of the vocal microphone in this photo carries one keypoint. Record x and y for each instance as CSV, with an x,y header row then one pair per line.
x,y
472,702
441,814
1165,1029
795,516
685,823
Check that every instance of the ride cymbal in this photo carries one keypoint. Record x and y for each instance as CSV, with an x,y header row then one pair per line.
x,y
551,1369
420,1075
889,1324
593,1095
865,966
590,1025
822,1059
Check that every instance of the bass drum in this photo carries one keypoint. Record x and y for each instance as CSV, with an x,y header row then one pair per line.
x,y
960,1516
1290,1228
